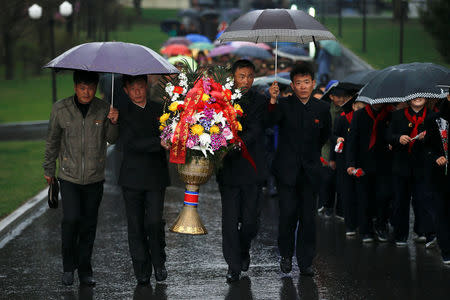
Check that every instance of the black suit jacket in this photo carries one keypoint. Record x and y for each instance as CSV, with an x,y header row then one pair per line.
x,y
375,160
303,130
144,165
341,128
403,162
237,170
435,149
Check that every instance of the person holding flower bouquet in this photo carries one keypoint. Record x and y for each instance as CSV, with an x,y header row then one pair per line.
x,y
143,177
239,179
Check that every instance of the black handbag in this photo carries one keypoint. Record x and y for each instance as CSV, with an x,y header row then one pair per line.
x,y
53,192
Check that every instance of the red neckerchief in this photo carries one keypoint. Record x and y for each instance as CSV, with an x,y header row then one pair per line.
x,y
416,121
381,115
349,117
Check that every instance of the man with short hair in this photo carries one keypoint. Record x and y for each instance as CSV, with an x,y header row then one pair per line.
x,y
304,127
239,180
144,177
79,128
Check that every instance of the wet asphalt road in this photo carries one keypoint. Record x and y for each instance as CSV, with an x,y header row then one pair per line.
x,y
30,265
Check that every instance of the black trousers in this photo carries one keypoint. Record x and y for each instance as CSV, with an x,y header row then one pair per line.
x,y
297,208
239,205
407,187
146,235
443,219
328,194
350,202
80,205
374,196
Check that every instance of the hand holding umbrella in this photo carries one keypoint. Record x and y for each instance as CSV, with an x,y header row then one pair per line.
x,y
274,91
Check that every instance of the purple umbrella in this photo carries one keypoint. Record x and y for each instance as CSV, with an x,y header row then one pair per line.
x,y
113,57
177,40
221,50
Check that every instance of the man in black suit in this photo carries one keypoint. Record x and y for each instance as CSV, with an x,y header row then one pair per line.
x,y
368,150
239,180
144,177
304,127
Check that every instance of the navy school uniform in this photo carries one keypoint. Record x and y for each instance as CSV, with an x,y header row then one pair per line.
x,y
369,150
408,169
345,182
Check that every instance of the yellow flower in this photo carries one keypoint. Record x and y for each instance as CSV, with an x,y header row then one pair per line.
x,y
197,129
237,107
173,106
205,97
239,126
161,127
164,117
214,129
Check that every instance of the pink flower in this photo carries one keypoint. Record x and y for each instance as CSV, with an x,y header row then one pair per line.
x,y
227,133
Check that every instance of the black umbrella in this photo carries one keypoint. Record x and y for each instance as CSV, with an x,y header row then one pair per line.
x,y
190,13
276,25
210,13
405,82
360,77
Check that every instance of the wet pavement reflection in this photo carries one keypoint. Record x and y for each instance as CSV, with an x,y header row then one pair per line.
x,y
345,269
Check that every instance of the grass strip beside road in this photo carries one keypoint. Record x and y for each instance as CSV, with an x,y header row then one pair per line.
x,y
21,173
382,41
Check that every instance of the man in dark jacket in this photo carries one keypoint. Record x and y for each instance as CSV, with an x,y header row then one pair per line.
x,y
78,131
240,179
144,177
368,151
304,127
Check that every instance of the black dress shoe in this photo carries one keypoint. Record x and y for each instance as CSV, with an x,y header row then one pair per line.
x,y
245,262
67,278
232,276
286,264
87,280
161,273
306,271
143,281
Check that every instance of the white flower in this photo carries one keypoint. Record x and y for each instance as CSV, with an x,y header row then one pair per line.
x,y
205,144
204,139
218,118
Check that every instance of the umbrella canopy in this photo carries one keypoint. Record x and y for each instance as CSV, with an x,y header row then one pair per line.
x,y
405,82
210,13
254,52
190,13
282,25
193,37
183,59
176,49
201,46
361,77
268,80
293,53
332,47
221,50
113,57
181,40
250,44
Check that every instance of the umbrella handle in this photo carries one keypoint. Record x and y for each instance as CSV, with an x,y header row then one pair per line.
x,y
112,89
276,57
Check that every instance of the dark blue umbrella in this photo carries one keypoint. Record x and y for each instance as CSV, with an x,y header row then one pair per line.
x,y
195,38
253,52
190,13
293,53
402,83
361,77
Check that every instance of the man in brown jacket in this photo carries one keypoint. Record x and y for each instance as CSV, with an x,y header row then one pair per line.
x,y
79,128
